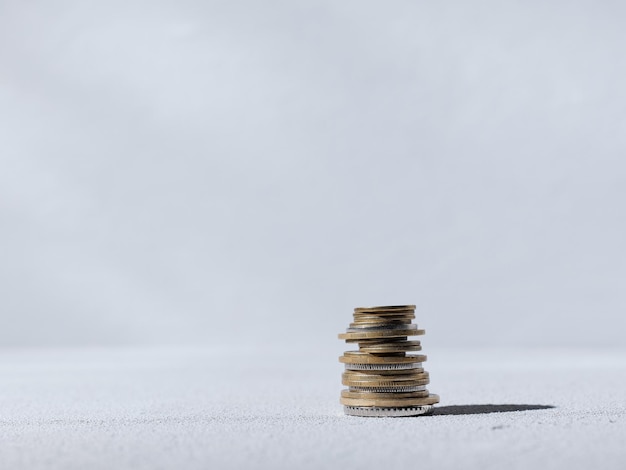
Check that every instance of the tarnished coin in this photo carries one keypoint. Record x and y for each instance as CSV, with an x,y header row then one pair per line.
x,y
414,365
379,324
360,357
396,346
373,341
381,333
393,311
391,384
375,324
395,321
401,374
412,388
383,308
394,326
374,412
385,395
383,316
405,346
383,313
390,402
370,340
365,317
384,375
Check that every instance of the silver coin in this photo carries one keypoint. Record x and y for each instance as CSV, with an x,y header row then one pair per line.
x,y
410,388
408,365
388,412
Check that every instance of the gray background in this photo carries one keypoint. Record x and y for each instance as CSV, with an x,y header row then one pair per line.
x,y
224,171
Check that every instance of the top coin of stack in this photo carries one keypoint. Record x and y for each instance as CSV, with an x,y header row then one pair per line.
x,y
382,379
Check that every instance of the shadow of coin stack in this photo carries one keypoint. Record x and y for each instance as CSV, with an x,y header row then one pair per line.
x,y
383,379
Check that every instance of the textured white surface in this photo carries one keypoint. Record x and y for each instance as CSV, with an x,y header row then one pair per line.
x,y
211,408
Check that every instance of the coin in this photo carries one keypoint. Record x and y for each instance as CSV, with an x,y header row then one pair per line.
x,y
384,395
388,326
360,357
384,375
373,341
380,324
387,339
385,313
391,347
398,374
369,323
381,333
384,316
374,412
411,388
386,308
391,384
382,341
390,402
415,365
387,372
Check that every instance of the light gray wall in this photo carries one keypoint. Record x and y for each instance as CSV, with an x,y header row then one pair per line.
x,y
207,171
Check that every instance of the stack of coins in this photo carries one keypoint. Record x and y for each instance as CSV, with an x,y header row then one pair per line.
x,y
383,378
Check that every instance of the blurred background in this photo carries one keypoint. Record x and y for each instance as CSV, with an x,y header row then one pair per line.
x,y
221,172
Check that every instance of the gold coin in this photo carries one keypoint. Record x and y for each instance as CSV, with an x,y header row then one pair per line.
x,y
375,341
391,347
385,313
384,316
385,382
360,357
388,339
385,308
390,384
393,326
352,394
381,333
390,402
381,324
383,374
374,324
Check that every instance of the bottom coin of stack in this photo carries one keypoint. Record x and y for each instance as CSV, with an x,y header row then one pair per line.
x,y
383,377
